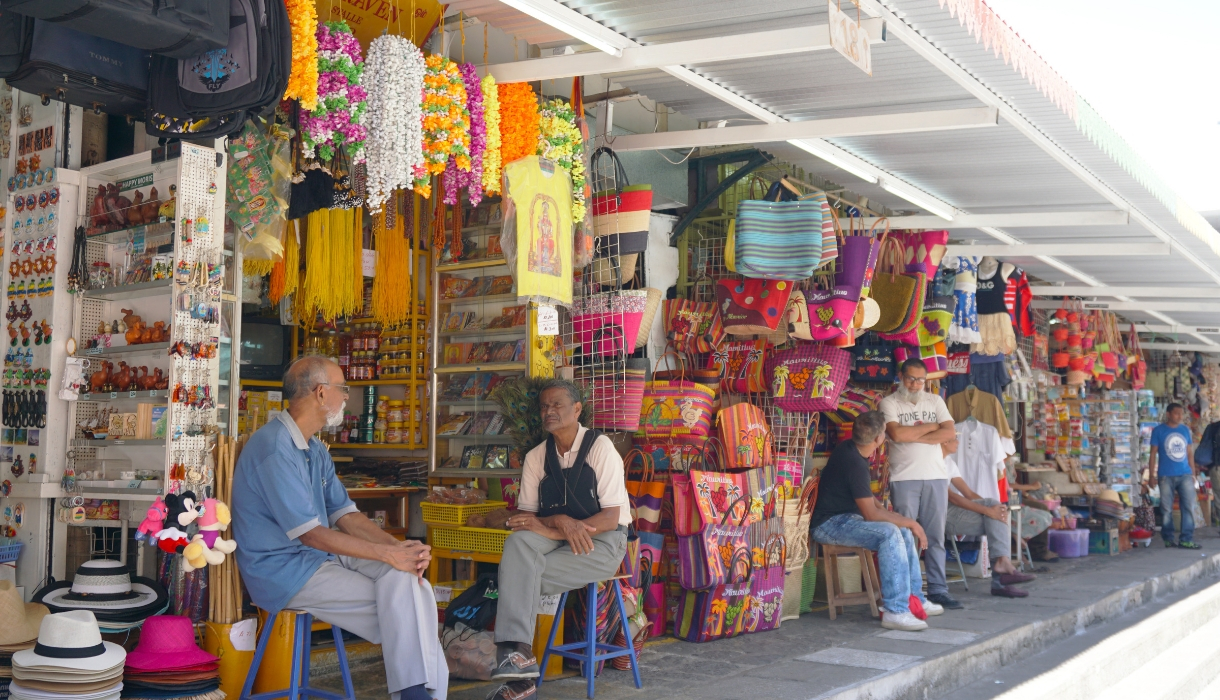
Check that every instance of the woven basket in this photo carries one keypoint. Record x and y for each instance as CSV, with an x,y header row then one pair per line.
x,y
650,315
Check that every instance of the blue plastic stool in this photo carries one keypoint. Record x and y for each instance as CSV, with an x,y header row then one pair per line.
x,y
298,685
590,651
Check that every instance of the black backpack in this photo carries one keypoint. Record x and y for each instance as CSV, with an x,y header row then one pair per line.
x,y
63,64
178,28
476,606
213,93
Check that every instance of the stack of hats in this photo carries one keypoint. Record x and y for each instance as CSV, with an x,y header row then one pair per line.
x,y
69,662
119,600
168,664
18,631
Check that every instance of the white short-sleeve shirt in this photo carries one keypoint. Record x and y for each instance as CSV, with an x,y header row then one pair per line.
x,y
910,461
980,457
607,466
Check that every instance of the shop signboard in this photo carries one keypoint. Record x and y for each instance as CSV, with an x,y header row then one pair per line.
x,y
849,38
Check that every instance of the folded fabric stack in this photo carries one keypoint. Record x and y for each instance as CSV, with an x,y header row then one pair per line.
x,y
168,664
69,662
119,600
19,631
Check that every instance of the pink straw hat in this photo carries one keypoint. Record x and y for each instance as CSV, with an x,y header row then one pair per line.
x,y
167,642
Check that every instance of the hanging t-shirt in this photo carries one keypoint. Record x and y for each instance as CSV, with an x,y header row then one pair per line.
x,y
910,461
541,195
1172,446
980,457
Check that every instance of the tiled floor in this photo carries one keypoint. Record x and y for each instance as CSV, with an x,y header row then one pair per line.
x,y
813,656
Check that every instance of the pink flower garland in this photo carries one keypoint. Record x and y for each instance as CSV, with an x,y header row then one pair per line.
x,y
341,99
472,179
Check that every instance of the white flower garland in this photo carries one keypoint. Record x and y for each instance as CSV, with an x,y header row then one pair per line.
x,y
394,78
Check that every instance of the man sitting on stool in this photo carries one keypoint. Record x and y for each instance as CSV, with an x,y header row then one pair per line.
x,y
286,499
847,514
971,514
571,530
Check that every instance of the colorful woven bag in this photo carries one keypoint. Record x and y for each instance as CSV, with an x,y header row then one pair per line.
x,y
752,306
936,319
778,240
831,312
617,400
676,409
808,378
858,257
716,613
746,436
926,248
740,363
692,326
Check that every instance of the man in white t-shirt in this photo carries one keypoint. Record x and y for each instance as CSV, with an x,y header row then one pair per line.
x,y
571,530
916,423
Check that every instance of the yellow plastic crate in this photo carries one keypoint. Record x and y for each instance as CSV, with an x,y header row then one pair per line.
x,y
449,590
470,539
450,514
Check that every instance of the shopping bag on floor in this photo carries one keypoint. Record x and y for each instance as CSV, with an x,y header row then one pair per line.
x,y
717,613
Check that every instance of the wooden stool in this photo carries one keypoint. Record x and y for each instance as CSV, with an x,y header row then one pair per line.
x,y
872,583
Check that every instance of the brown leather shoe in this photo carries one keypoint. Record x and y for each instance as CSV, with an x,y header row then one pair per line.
x,y
1009,579
1008,592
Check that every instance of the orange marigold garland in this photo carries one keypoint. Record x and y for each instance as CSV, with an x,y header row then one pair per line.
x,y
518,121
303,80
446,121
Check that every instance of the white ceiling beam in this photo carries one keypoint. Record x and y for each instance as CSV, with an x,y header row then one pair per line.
x,y
972,84
941,120
1182,347
1030,250
1013,220
1187,306
1176,329
1179,292
776,42
574,24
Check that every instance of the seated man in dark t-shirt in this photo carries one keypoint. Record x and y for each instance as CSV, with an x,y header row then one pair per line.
x,y
847,514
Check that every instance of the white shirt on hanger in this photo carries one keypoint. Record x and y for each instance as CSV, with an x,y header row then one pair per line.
x,y
980,457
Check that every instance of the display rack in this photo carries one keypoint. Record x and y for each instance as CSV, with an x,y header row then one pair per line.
x,y
169,270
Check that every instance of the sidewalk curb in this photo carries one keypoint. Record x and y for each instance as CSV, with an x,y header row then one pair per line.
x,y
942,674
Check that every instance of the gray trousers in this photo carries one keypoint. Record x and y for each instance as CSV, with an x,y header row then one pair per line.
x,y
966,522
925,501
359,595
534,566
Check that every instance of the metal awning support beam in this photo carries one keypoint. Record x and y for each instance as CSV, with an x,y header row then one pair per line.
x,y
775,42
1188,306
1171,292
1183,347
1176,329
1014,220
1030,250
940,120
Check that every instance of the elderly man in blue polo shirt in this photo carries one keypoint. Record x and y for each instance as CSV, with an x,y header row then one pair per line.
x,y
287,499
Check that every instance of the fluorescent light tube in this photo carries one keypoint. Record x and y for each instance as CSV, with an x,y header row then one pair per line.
x,y
835,157
920,199
572,23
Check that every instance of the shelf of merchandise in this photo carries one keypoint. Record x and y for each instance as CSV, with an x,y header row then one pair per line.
x,y
198,177
472,265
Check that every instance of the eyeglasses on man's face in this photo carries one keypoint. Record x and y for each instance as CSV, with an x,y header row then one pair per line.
x,y
907,379
342,387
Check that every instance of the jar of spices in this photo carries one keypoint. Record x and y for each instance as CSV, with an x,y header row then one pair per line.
x,y
393,433
394,414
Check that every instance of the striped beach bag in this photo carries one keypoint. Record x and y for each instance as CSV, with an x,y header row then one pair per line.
x,y
778,240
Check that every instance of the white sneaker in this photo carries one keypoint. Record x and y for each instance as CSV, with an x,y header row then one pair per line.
x,y
932,608
904,621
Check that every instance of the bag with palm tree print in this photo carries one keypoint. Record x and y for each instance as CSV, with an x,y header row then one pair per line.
x,y
716,613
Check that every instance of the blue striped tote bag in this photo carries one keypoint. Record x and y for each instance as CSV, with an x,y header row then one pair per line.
x,y
778,240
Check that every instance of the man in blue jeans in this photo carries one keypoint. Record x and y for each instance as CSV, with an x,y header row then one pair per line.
x,y
847,514
1175,461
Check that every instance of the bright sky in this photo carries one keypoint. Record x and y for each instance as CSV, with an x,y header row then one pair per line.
x,y
1149,68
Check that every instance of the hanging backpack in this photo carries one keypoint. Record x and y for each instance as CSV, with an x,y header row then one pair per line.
x,y
213,93
15,31
179,28
476,606
58,63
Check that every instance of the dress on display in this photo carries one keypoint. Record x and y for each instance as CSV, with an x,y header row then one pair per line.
x,y
965,328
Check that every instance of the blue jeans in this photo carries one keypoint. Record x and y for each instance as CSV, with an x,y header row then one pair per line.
x,y
1184,487
896,552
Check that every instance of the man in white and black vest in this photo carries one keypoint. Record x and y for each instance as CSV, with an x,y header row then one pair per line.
x,y
571,530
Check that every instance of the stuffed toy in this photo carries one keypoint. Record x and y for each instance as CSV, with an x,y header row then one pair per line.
x,y
154,522
171,540
215,518
176,505
191,508
196,555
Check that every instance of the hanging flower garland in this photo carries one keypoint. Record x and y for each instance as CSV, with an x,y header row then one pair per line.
x,y
491,120
472,179
394,77
446,121
560,140
336,123
303,80
518,122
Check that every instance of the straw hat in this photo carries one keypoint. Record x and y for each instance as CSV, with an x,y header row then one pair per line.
x,y
872,312
109,590
20,691
21,619
70,640
167,642
1110,495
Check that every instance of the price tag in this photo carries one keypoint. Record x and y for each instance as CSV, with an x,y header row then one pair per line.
x,y
131,394
242,634
114,395
548,320
368,262
849,38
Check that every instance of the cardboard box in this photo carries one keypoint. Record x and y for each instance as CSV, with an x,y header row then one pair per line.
x,y
1104,541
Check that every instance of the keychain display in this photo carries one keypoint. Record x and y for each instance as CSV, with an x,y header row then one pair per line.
x,y
24,409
